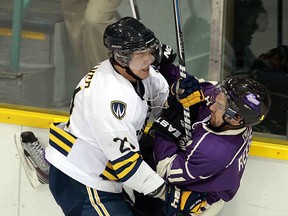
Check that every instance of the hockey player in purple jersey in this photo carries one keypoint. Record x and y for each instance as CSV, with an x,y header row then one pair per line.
x,y
210,165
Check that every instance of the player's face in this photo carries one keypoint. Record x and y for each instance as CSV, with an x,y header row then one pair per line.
x,y
218,109
140,63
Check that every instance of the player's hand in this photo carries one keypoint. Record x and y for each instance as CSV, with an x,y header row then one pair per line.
x,y
181,201
166,128
168,56
187,90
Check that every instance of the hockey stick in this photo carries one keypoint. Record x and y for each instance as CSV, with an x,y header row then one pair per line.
x,y
135,9
180,47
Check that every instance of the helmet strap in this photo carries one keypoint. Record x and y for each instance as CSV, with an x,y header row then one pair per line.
x,y
128,70
219,128
225,126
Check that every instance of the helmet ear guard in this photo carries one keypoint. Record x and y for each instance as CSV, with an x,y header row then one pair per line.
x,y
122,57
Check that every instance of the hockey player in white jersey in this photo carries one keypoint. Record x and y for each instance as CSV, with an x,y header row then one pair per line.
x,y
97,151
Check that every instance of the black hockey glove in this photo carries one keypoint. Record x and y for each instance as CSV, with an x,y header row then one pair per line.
x,y
184,202
172,130
146,146
187,91
168,56
166,128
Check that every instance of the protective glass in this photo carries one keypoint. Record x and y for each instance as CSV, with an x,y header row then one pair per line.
x,y
259,19
139,57
155,48
144,57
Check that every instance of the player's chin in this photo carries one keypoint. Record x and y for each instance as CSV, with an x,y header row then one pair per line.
x,y
212,121
144,73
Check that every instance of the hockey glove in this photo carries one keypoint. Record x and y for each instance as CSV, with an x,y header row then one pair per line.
x,y
166,128
168,56
187,91
185,202
146,146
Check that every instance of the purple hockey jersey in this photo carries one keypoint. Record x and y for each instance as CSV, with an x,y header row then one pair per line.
x,y
214,161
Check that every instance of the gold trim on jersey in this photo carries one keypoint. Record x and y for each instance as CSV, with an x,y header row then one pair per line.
x,y
109,173
96,202
61,139
122,168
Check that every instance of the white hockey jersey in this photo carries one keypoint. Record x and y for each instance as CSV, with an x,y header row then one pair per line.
x,y
99,145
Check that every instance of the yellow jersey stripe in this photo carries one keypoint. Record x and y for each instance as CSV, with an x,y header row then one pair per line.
x,y
63,133
59,143
133,158
127,170
109,176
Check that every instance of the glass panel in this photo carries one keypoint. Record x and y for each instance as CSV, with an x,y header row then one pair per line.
x,y
196,16
48,72
43,79
196,30
255,46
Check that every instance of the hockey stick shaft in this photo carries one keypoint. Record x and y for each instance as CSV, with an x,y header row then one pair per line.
x,y
135,9
180,47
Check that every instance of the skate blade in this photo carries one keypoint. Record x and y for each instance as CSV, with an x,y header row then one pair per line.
x,y
28,167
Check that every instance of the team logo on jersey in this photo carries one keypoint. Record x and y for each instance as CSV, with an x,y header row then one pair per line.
x,y
118,109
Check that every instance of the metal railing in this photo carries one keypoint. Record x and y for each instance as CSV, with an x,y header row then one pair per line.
x,y
19,10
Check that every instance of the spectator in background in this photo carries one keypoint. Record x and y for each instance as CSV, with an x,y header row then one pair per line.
x,y
249,16
86,21
271,69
